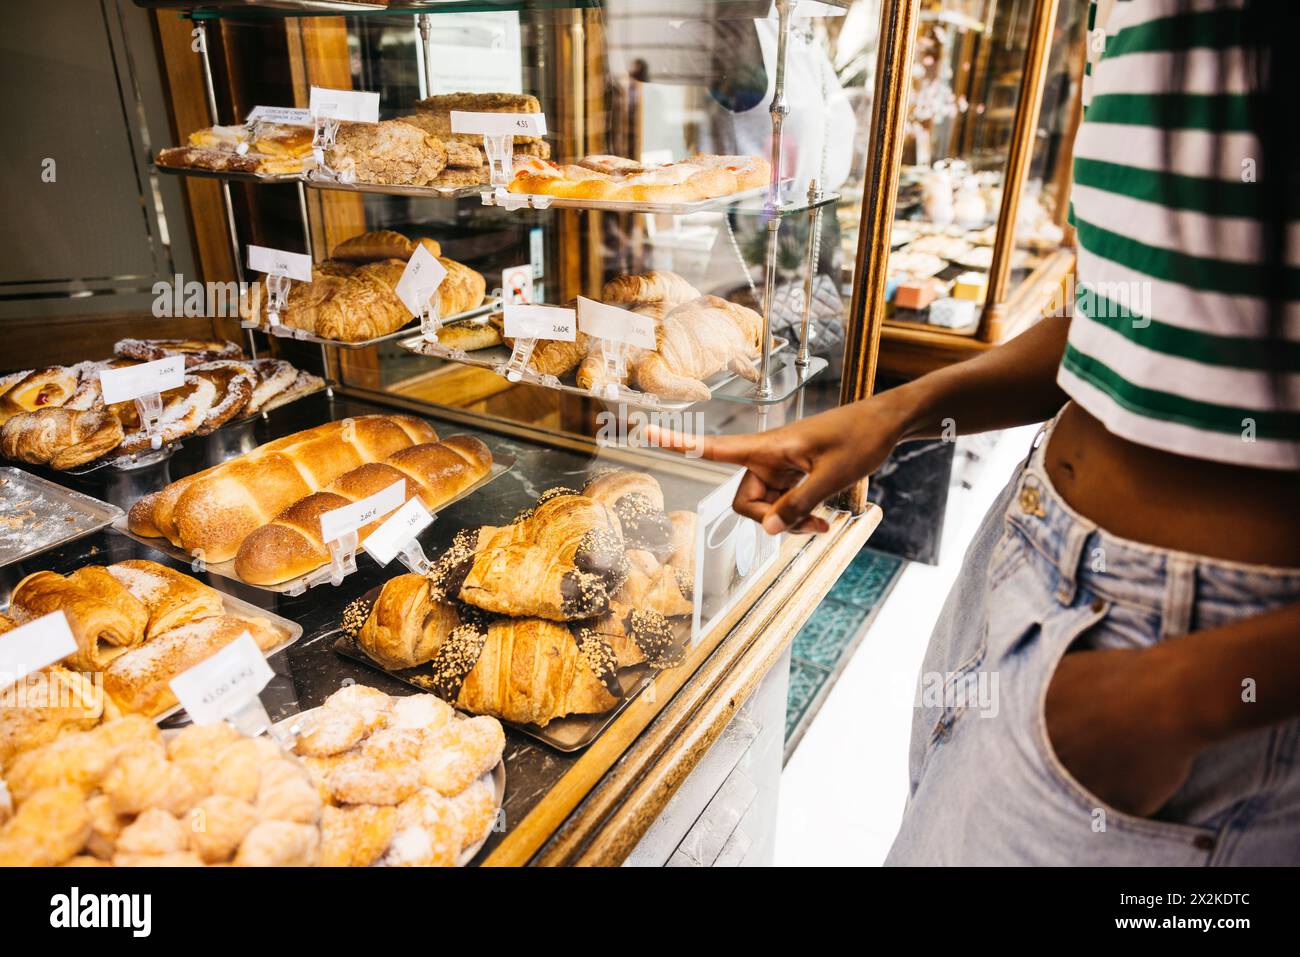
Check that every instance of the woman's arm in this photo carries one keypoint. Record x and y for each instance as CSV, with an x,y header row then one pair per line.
x,y
1128,723
791,470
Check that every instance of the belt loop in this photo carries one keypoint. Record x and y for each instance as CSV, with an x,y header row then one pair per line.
x,y
1179,602
1076,537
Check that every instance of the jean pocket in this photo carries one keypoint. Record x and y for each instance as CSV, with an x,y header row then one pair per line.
x,y
948,695
1008,554
1074,790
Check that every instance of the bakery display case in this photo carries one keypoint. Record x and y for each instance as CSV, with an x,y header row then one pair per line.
x,y
504,239
979,241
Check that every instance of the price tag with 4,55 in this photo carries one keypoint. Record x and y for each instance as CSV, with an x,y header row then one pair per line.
x,y
225,684
499,131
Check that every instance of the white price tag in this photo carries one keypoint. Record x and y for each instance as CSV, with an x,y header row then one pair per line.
x,y
132,382
288,115
337,522
422,276
603,321
225,683
32,646
347,105
540,322
498,124
406,523
278,262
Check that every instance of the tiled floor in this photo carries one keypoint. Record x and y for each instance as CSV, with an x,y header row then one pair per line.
x,y
844,787
825,643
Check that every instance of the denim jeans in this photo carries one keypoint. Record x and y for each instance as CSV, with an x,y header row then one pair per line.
x,y
986,786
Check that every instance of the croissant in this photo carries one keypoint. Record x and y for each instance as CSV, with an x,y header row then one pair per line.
x,y
636,636
696,340
407,625
366,306
638,501
60,438
170,598
104,617
291,544
561,561
656,286
380,244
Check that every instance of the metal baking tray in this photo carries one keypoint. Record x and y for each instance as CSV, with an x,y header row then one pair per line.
x,y
542,201
235,175
37,515
287,728
494,357
238,608
572,733
426,192
301,335
501,464
289,6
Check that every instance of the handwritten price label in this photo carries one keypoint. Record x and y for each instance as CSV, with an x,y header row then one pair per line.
x,y
348,105
406,523
33,646
498,124
287,115
338,522
132,382
613,324
540,322
225,683
420,279
278,262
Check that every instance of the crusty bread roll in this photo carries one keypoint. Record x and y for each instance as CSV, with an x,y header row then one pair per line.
x,y
291,544
654,287
137,682
212,512
380,244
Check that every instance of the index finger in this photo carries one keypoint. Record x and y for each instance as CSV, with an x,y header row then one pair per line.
x,y
735,449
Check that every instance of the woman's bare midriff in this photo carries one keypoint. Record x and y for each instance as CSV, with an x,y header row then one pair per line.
x,y
1171,501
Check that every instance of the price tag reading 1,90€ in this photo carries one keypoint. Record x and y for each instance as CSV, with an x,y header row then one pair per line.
x,y
498,124
540,322
223,684
346,105
32,646
278,262
337,522
132,382
406,523
613,324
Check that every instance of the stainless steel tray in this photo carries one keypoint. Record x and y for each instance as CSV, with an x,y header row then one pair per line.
x,y
286,728
237,176
291,6
37,515
300,335
572,733
501,463
495,357
427,192
542,201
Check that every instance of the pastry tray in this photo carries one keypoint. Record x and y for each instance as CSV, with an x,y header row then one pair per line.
x,y
285,728
427,192
571,733
238,608
495,357
37,515
543,201
501,464
300,335
236,175
153,457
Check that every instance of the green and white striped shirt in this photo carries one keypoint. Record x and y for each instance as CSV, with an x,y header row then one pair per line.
x,y
1165,343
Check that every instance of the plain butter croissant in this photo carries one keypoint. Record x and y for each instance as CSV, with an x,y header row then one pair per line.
x,y
105,618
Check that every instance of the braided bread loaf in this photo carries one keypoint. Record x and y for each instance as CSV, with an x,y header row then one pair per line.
x,y
291,544
216,509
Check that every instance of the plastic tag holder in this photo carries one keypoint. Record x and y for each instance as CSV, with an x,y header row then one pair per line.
x,y
343,562
613,361
430,314
324,135
149,408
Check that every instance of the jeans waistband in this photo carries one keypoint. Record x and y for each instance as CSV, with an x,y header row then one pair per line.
x,y
1123,570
